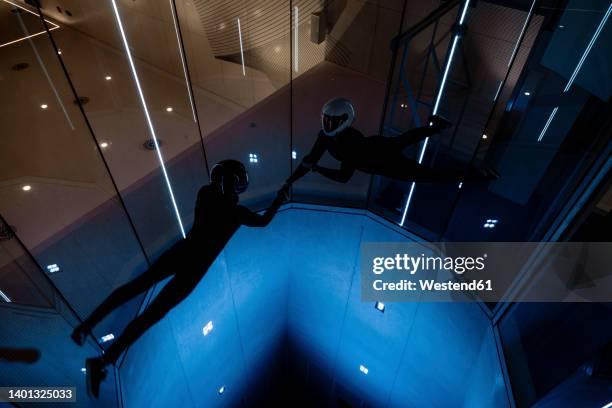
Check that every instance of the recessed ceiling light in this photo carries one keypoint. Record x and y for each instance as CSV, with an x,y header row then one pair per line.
x,y
207,328
83,370
53,268
527,93
490,223
149,144
363,369
104,145
169,109
82,100
294,155
253,158
484,136
20,66
380,306
222,390
44,106
59,52
27,187
108,77
107,337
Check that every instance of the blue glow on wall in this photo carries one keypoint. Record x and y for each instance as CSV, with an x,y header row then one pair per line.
x,y
295,286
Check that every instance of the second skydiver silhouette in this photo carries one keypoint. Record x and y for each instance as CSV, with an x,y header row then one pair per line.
x,y
378,155
217,217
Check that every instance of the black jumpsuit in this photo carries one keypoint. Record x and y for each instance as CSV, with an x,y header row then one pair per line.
x,y
217,218
378,155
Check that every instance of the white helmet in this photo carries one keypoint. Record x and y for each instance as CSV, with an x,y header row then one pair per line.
x,y
336,115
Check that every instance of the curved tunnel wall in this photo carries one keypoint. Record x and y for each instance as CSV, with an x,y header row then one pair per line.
x,y
285,304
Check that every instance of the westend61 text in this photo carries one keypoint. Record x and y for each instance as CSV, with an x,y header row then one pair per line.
x,y
432,285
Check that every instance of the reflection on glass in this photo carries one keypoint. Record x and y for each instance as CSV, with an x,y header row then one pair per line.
x,y
127,62
345,54
542,140
240,60
148,117
20,279
54,187
447,85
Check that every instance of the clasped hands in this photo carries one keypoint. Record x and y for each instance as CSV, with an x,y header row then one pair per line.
x,y
283,193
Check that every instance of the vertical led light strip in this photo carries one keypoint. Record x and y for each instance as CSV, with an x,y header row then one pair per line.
x,y
516,47
550,118
499,87
436,105
518,39
295,39
464,12
445,76
4,297
180,47
588,48
585,54
241,47
147,116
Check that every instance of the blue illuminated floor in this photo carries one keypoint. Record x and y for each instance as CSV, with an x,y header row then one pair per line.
x,y
289,326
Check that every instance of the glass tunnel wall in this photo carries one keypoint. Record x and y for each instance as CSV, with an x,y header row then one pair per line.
x,y
135,103
508,75
36,319
57,195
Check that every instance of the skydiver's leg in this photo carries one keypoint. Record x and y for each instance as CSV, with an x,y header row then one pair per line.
x,y
414,136
177,289
161,269
435,125
400,167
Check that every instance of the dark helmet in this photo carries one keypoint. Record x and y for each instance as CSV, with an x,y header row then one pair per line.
x,y
230,173
336,115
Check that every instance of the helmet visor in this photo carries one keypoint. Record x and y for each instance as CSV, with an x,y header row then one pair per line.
x,y
242,183
331,123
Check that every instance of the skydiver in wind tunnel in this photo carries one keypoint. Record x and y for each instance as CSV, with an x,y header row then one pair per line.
x,y
217,217
376,155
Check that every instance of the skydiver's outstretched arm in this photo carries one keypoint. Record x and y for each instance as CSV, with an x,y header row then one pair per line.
x,y
252,219
341,175
312,158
